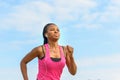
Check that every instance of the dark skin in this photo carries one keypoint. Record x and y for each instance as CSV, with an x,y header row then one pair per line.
x,y
52,35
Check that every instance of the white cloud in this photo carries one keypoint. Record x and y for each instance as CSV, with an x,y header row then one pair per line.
x,y
17,45
71,10
3,4
10,74
87,68
30,17
90,17
102,74
103,60
89,26
115,32
115,2
76,3
112,12
14,73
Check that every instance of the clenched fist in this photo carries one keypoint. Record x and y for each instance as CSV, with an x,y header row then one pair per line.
x,y
69,51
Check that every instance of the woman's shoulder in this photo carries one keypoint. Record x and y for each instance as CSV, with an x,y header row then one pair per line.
x,y
38,48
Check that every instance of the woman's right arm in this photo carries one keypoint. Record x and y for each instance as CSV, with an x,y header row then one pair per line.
x,y
36,52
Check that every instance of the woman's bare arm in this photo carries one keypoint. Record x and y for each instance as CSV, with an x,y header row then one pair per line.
x,y
70,62
36,52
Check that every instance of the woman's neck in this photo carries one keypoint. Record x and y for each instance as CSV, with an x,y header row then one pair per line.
x,y
53,44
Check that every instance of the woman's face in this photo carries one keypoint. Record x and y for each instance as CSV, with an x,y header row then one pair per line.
x,y
53,32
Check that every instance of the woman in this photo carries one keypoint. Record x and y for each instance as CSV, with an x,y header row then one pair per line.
x,y
51,56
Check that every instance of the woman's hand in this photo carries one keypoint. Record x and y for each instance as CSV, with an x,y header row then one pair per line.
x,y
69,51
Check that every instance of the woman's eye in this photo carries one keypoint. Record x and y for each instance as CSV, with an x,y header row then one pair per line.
x,y
51,29
58,30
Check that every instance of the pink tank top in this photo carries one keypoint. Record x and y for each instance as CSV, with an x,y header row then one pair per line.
x,y
49,69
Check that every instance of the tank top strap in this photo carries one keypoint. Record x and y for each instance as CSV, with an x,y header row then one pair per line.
x,y
61,51
47,50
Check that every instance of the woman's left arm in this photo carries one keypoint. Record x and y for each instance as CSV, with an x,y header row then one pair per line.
x,y
72,67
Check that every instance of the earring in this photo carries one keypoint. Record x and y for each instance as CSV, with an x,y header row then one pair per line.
x,y
46,35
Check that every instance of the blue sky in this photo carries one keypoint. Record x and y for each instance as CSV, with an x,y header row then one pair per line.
x,y
92,27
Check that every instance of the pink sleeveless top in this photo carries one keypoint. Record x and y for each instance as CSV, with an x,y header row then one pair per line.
x,y
49,69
